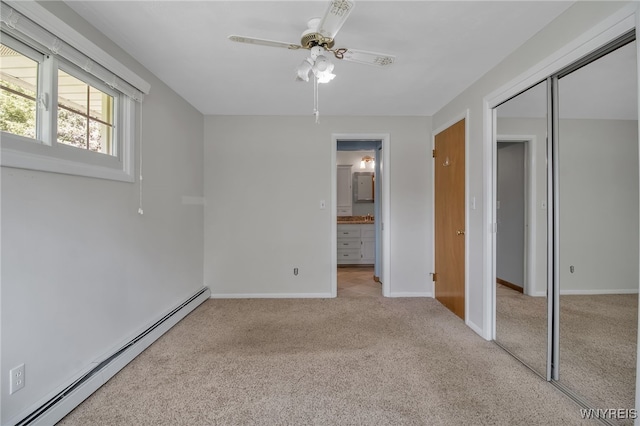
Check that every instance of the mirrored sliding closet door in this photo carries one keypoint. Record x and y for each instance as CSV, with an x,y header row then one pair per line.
x,y
521,238
598,229
568,235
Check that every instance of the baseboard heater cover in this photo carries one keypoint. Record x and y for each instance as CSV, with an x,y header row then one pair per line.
x,y
69,398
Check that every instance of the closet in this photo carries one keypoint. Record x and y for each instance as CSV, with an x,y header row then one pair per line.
x,y
573,317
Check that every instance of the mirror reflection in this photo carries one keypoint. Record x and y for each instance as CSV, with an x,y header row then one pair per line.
x,y
363,187
521,238
598,212
597,231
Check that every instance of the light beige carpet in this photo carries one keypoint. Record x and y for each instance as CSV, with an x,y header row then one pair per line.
x,y
598,341
343,361
521,326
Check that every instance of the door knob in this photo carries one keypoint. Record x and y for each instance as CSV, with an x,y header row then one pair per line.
x,y
459,232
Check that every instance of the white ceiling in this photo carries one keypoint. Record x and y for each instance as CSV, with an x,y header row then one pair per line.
x,y
441,48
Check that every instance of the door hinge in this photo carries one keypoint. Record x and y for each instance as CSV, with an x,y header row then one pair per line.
x,y
434,153
434,276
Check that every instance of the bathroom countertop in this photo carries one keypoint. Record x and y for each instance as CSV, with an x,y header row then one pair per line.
x,y
356,220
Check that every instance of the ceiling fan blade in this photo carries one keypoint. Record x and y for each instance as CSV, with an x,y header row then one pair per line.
x,y
264,42
369,58
335,16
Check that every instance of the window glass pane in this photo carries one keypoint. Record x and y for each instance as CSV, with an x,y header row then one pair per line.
x,y
72,128
18,89
99,137
72,92
85,115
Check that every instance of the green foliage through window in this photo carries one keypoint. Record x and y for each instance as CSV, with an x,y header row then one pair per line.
x,y
85,115
18,80
17,111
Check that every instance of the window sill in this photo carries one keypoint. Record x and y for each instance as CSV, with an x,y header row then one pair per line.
x,y
18,153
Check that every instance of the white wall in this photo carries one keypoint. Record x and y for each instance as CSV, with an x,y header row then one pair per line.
x,y
260,225
82,272
353,158
598,177
578,19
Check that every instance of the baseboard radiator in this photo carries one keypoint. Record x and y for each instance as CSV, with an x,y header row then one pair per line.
x,y
69,398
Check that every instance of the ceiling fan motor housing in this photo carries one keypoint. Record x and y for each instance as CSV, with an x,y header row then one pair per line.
x,y
311,39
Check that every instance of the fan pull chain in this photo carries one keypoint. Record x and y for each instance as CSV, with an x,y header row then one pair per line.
x,y
140,211
316,111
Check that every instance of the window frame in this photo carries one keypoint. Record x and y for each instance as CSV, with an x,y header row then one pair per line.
x,y
92,81
44,153
38,57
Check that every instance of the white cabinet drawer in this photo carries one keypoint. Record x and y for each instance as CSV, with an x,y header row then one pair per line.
x,y
348,233
344,211
349,254
351,243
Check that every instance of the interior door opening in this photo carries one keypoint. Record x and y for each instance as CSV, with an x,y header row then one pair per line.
x,y
358,213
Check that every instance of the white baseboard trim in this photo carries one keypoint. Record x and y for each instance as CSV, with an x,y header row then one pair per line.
x,y
271,296
411,294
473,326
55,408
587,292
597,292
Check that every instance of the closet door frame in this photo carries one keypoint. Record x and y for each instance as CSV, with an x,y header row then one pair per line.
x,y
609,35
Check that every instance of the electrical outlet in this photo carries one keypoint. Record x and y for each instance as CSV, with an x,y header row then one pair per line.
x,y
17,379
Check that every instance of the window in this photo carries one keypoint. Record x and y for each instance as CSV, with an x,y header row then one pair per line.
x,y
61,110
85,115
18,92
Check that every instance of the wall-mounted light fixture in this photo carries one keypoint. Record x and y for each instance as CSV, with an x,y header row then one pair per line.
x,y
367,161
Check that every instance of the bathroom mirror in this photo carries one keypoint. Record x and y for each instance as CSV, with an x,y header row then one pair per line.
x,y
363,187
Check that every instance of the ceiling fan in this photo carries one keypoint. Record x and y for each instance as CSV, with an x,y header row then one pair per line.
x,y
319,37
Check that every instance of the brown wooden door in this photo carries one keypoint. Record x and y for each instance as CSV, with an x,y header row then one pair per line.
x,y
449,214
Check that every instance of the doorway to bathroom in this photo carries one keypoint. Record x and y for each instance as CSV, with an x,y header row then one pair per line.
x,y
358,208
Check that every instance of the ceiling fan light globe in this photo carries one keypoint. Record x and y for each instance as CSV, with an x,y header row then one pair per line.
x,y
322,64
316,52
325,77
303,70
